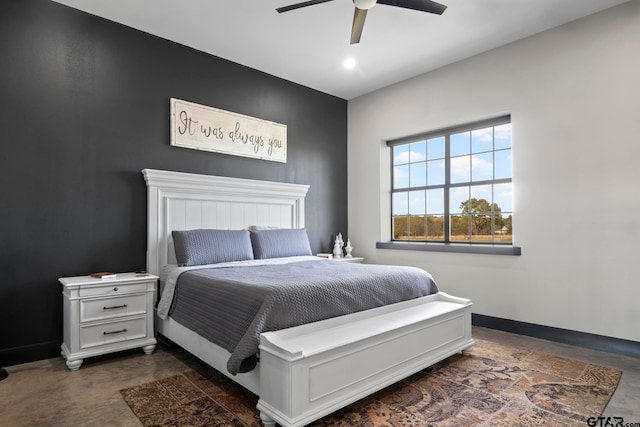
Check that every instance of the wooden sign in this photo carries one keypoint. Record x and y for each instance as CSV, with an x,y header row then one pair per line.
x,y
210,129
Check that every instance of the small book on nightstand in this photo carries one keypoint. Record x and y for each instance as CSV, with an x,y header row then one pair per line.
x,y
104,275
322,255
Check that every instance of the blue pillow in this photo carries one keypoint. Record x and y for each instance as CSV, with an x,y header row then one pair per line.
x,y
281,242
198,247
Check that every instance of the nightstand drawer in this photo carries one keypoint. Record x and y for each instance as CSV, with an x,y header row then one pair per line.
x,y
112,289
107,308
107,333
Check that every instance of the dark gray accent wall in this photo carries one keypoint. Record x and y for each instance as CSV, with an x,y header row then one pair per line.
x,y
84,108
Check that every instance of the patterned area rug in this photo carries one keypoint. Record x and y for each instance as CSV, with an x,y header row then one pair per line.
x,y
496,385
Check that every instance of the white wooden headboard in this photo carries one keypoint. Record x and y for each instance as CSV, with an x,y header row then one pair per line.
x,y
185,201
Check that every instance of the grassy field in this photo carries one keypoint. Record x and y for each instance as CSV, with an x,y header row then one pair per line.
x,y
502,238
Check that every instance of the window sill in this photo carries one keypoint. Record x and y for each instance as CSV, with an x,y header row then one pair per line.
x,y
452,248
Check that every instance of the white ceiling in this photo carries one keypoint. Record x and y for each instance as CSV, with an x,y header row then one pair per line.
x,y
309,45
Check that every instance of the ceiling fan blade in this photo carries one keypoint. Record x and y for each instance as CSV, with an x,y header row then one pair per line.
x,y
358,24
299,5
421,5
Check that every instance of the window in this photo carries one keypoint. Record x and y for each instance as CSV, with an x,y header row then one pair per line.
x,y
454,185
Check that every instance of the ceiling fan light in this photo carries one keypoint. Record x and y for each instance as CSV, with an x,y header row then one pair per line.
x,y
349,63
364,4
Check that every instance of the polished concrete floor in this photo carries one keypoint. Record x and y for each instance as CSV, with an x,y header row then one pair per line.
x,y
46,393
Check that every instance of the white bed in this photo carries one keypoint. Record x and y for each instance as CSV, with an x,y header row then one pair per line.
x,y
308,371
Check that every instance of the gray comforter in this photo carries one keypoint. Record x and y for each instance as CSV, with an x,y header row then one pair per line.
x,y
232,306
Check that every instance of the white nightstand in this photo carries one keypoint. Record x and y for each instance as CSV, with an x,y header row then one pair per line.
x,y
352,259
106,315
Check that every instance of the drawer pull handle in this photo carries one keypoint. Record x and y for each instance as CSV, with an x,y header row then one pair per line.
x,y
115,307
115,289
115,332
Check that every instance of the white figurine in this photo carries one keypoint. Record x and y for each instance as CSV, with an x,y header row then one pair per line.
x,y
337,249
348,249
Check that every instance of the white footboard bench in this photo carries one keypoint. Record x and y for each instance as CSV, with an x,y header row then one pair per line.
x,y
311,370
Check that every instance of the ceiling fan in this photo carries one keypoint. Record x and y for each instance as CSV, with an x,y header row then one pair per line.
x,y
362,6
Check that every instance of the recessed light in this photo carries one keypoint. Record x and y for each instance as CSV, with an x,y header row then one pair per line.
x,y
349,63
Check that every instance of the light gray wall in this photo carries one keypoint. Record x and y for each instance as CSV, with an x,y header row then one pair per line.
x,y
574,96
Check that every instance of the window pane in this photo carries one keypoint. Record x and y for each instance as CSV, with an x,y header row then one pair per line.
x,y
435,171
400,154
482,140
400,227
502,226
460,144
435,201
418,151
417,202
481,199
482,167
481,228
416,227
401,176
400,203
461,169
503,196
502,138
435,227
435,148
503,164
459,226
458,198
418,176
